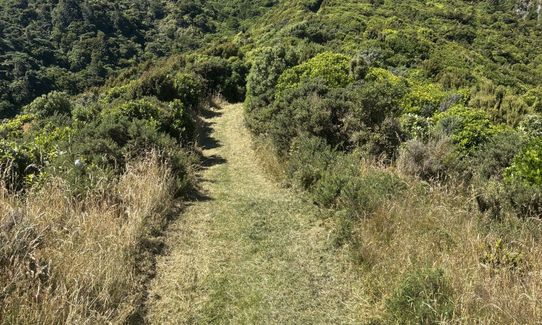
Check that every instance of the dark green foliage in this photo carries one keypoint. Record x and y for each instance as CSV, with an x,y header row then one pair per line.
x,y
340,181
525,199
309,159
104,146
365,193
224,76
497,154
71,45
359,67
423,297
267,66
15,164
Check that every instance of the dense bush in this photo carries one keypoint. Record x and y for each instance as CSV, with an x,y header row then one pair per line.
x,y
309,158
50,104
527,165
332,68
497,154
171,118
369,190
267,66
468,128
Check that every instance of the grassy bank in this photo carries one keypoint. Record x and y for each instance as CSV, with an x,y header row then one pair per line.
x,y
424,252
83,261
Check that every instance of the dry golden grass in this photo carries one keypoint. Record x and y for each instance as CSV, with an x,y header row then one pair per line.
x,y
441,228
81,262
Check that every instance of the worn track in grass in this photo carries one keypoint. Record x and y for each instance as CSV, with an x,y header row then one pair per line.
x,y
248,251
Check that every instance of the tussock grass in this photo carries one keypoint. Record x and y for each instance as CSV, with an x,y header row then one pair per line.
x,y
491,270
82,262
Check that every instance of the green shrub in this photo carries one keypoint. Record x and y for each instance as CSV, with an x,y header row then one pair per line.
x,y
468,128
532,125
359,67
332,68
16,163
414,126
13,128
501,255
369,115
527,165
423,297
171,118
157,83
103,147
525,199
423,99
496,154
224,76
311,108
327,190
50,104
309,158
267,66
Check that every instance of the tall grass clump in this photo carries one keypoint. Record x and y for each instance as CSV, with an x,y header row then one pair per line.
x,y
83,261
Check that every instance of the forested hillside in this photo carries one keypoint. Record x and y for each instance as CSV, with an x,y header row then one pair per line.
x,y
71,45
415,126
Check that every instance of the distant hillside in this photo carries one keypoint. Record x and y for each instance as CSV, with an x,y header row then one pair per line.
x,y
71,45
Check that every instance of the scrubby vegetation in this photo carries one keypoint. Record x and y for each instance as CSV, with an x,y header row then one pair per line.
x,y
416,125
385,111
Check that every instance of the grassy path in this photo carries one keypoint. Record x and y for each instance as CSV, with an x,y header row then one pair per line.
x,y
249,251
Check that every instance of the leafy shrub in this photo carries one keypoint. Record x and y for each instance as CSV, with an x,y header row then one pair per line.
x,y
423,99
468,128
527,165
525,199
327,189
15,164
332,68
103,147
501,256
224,76
50,104
13,128
157,83
414,126
170,118
311,108
423,297
359,67
494,156
532,125
383,75
267,66
309,158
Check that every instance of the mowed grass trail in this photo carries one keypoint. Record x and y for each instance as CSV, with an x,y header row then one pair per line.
x,y
248,251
